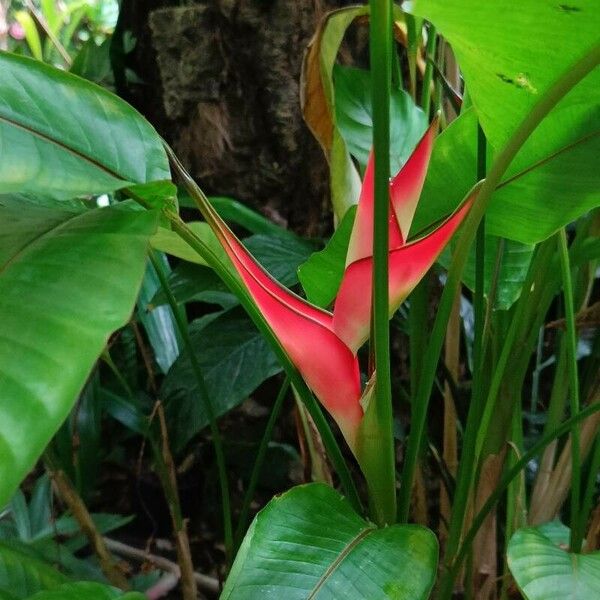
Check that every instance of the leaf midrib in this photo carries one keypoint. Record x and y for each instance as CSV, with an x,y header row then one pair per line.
x,y
357,539
548,158
77,153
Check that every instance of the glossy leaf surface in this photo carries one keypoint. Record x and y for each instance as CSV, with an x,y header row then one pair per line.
x,y
505,63
64,136
234,359
354,114
68,279
544,571
553,180
308,543
321,275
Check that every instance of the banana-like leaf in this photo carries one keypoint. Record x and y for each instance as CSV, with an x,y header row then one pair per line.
x,y
554,178
506,64
64,136
309,543
544,571
68,279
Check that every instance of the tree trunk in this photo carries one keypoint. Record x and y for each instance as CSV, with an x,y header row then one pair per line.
x,y
220,81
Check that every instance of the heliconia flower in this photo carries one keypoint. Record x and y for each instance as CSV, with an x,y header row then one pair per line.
x,y
323,345
305,332
408,262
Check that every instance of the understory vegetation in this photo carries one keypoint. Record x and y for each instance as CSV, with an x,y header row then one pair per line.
x,y
198,401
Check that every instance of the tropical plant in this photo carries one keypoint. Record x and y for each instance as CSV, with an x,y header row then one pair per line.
x,y
88,195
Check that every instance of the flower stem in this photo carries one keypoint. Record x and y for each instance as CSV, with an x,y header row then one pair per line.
x,y
259,461
205,398
571,341
383,498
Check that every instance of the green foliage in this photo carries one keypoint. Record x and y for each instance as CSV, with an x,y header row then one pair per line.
x,y
159,323
544,570
505,65
535,197
321,275
69,137
354,115
22,573
234,358
86,591
48,304
309,542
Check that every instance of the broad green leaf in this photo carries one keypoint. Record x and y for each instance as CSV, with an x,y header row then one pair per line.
x,y
234,358
515,258
169,242
354,114
321,275
280,256
309,543
553,180
509,58
544,571
84,590
189,282
63,136
23,574
68,279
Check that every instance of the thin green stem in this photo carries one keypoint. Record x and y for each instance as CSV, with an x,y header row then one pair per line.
x,y
384,500
590,488
181,325
412,34
454,568
428,75
571,341
544,105
259,461
417,328
235,285
479,300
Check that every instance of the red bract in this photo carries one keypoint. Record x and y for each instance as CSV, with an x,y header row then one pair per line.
x,y
322,345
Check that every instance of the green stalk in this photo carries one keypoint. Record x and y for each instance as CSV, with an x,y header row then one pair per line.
x,y
454,568
479,300
234,284
413,38
544,105
181,325
571,340
383,498
428,75
259,461
468,463
417,328
590,488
